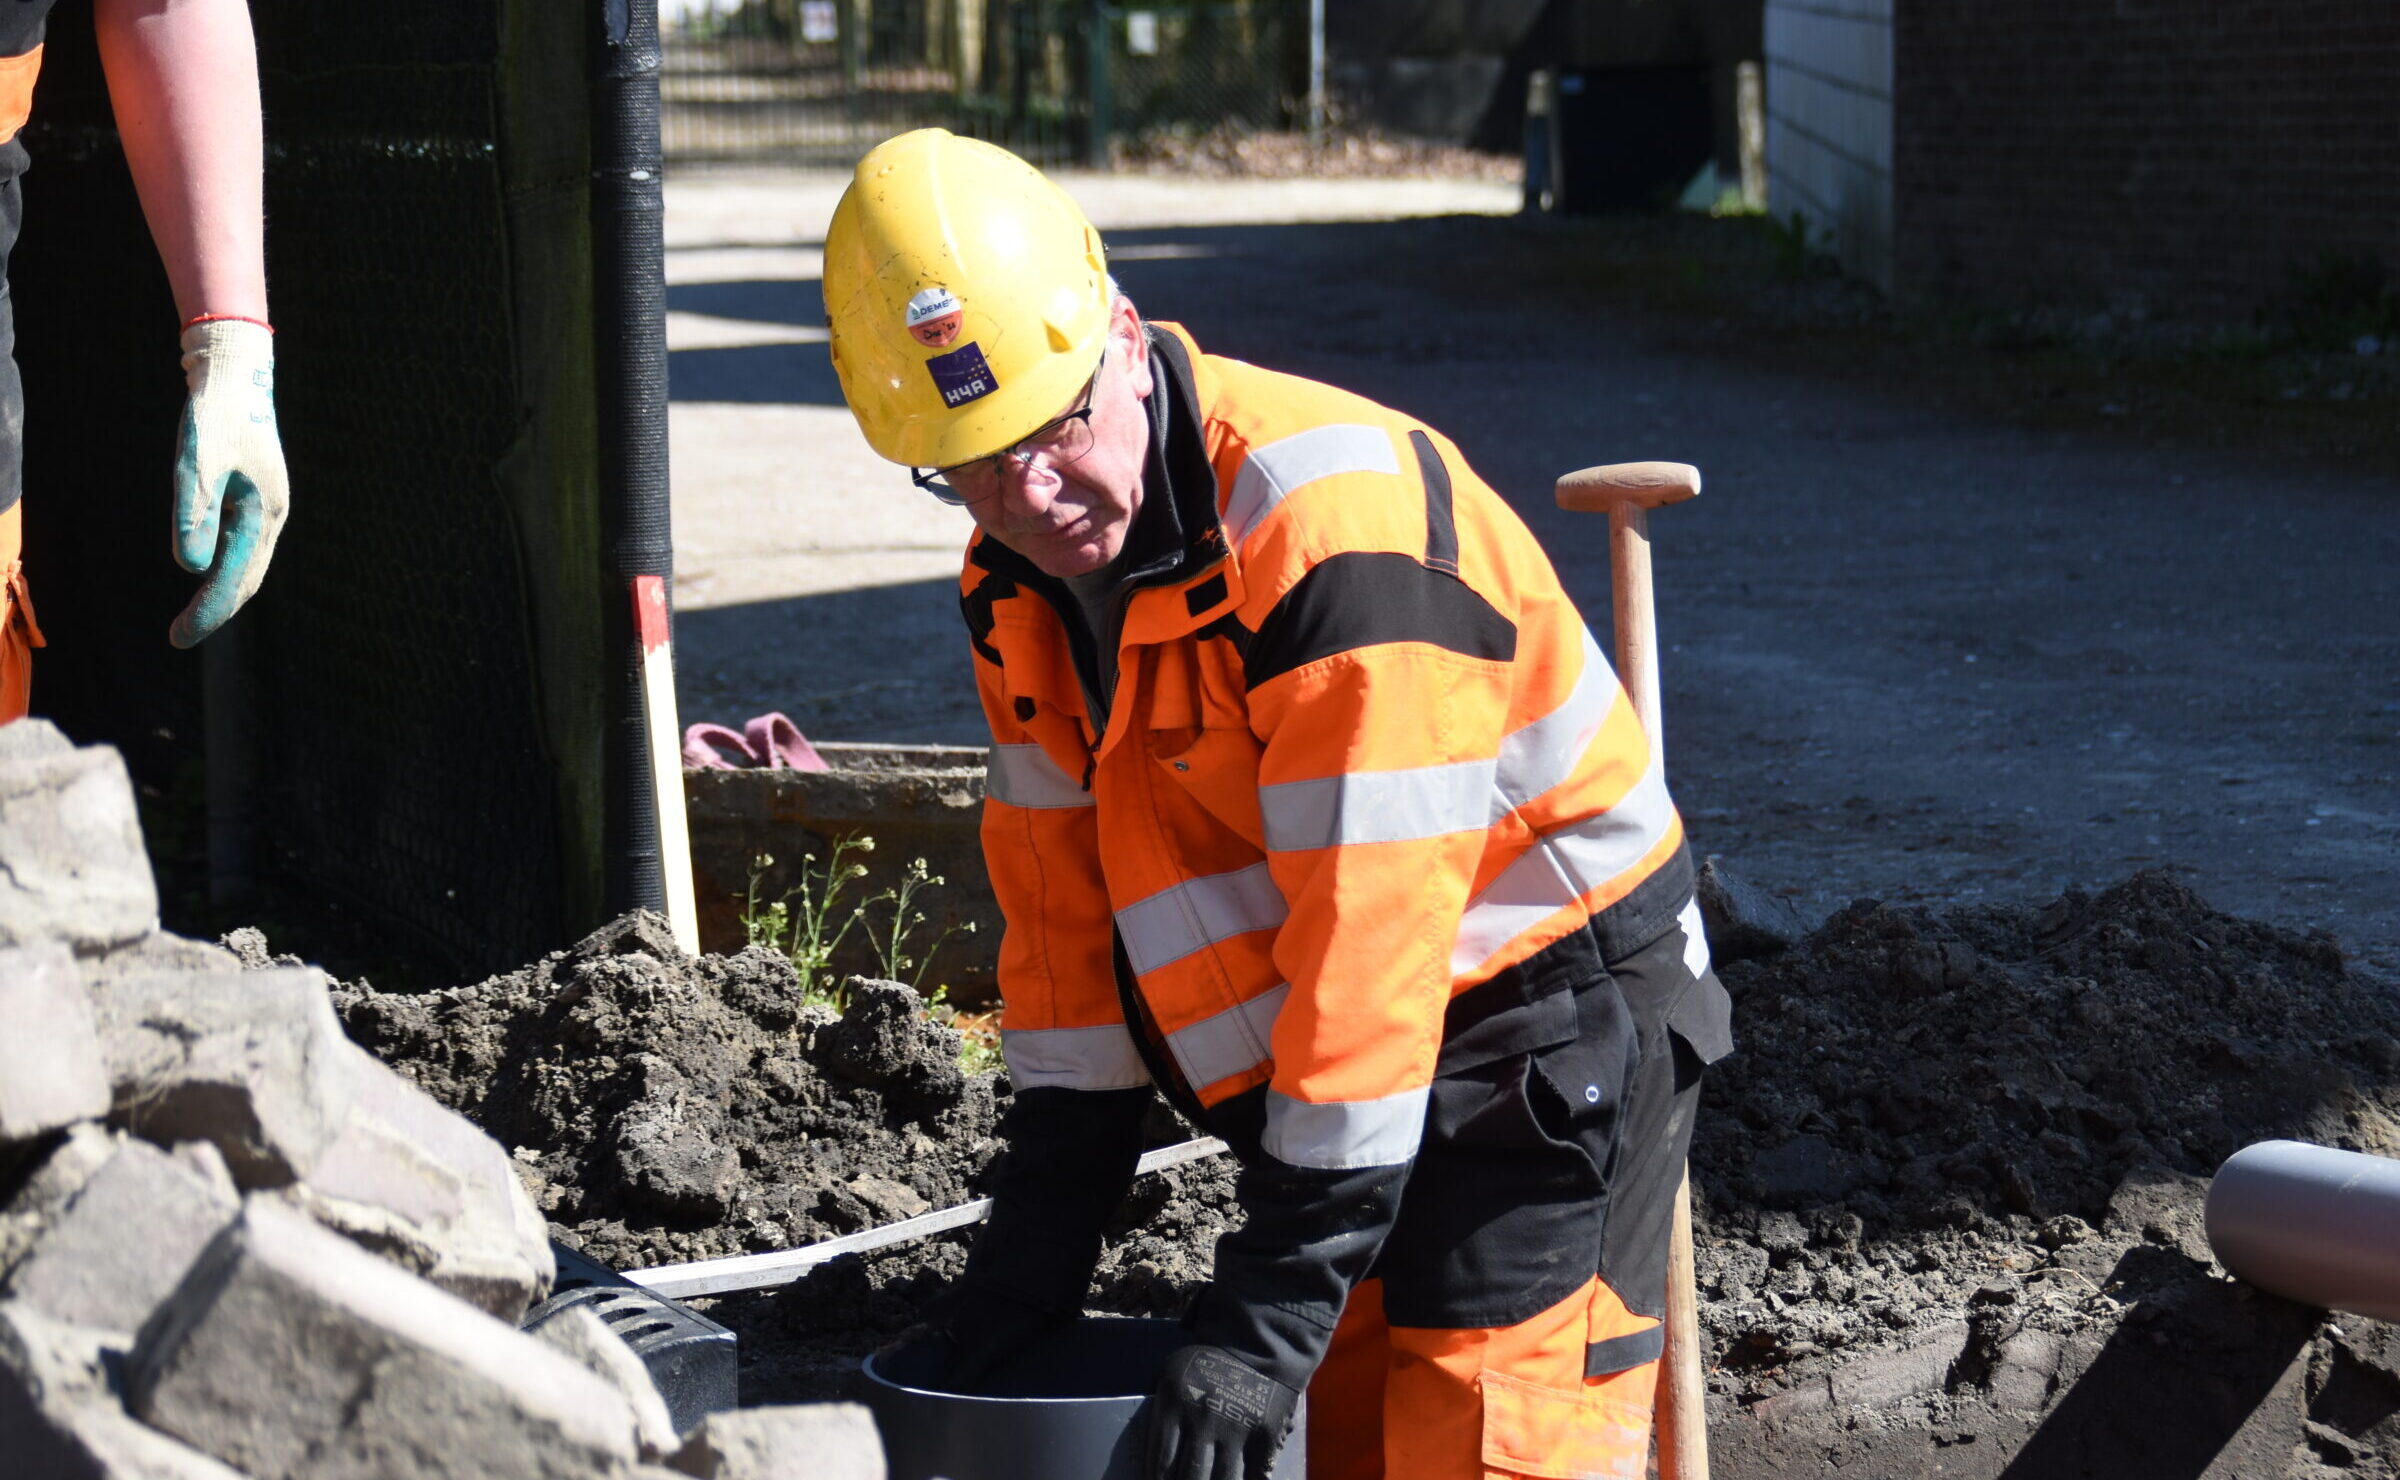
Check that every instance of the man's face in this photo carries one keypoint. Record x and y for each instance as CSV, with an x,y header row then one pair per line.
x,y
1071,519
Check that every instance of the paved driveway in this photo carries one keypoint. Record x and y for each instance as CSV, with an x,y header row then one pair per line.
x,y
1911,651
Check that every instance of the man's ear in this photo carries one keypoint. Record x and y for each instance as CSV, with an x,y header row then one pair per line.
x,y
1125,327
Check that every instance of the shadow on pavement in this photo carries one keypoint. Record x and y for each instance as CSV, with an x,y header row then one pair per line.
x,y
757,374
876,663
763,300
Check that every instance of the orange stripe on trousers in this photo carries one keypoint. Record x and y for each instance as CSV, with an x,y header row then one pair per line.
x,y
16,91
1411,1403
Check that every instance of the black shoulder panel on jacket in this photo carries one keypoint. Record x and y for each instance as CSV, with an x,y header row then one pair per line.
x,y
977,606
1441,527
1363,598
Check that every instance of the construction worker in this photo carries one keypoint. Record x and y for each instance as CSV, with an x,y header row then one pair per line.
x,y
1313,805
183,79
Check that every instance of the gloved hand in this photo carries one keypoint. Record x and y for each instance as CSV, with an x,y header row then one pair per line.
x,y
1215,1418
1070,1158
230,488
968,1344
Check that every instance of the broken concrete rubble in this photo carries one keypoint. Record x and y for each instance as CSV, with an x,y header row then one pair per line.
x,y
73,843
270,1343
292,1354
418,1183
60,1419
48,1184
124,1241
51,1072
252,1061
824,1441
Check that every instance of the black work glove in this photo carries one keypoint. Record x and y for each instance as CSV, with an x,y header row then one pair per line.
x,y
1071,1156
968,1343
1213,1418
1307,1236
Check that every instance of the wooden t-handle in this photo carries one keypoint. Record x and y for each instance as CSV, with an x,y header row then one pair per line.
x,y
1646,485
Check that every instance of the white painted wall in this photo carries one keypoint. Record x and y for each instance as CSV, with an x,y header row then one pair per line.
x,y
1829,125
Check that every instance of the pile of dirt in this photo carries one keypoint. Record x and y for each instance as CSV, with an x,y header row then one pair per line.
x,y
1952,1189
1956,1165
666,1108
1986,1088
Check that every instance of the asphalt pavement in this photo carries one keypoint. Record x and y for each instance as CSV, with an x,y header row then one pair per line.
x,y
1911,650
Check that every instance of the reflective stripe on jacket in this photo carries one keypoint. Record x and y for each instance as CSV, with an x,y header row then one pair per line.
x,y
1363,756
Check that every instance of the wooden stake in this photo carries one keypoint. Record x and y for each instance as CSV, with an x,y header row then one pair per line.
x,y
666,759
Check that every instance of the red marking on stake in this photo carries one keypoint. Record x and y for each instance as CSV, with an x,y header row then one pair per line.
x,y
650,612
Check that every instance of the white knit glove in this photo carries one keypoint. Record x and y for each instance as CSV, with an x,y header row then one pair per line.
x,y
230,488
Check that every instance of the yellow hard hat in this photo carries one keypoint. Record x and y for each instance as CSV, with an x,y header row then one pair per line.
x,y
967,295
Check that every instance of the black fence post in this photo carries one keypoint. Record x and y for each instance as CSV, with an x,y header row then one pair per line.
x,y
1100,117
629,293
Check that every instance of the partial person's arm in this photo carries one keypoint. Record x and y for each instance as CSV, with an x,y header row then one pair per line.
x,y
183,78
1081,1091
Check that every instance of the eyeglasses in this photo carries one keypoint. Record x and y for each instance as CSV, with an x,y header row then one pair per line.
x,y
1062,440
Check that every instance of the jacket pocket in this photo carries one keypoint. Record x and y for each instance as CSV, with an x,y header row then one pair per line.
x,y
1561,1433
1217,769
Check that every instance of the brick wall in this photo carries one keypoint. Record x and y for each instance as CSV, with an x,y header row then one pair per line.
x,y
1829,125
2184,152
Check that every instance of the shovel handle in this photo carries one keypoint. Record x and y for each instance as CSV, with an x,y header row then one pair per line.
x,y
1626,493
1645,485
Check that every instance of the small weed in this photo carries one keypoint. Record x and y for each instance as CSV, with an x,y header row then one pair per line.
x,y
891,945
810,921
978,1033
1797,246
807,923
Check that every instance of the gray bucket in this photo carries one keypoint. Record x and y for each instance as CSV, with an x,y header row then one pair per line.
x,y
1069,1408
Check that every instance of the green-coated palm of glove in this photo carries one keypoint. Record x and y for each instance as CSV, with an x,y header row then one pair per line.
x,y
231,490
1216,1418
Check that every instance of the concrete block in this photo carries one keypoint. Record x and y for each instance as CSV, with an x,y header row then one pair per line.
x,y
824,1441
71,862
51,1073
50,1185
32,739
585,1337
253,1062
60,1420
124,1242
418,1183
290,1352
160,950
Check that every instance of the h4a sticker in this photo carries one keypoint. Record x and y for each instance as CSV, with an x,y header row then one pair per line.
x,y
962,375
934,316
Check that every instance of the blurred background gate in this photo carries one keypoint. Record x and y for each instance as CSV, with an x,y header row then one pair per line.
x,y
822,81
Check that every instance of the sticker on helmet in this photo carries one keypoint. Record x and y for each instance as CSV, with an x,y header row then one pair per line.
x,y
962,375
934,316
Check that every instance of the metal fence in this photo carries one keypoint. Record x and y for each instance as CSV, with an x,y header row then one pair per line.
x,y
821,81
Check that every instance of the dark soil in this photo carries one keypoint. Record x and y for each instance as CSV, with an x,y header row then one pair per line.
x,y
1960,1160
665,1108
1949,1186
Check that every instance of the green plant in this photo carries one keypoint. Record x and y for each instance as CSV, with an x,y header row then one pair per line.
x,y
806,923
1796,244
809,922
978,1033
891,944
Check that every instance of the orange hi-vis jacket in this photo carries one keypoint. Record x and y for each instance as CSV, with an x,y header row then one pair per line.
x,y
1362,758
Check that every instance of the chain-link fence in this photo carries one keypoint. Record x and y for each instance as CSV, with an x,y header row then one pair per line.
x,y
821,81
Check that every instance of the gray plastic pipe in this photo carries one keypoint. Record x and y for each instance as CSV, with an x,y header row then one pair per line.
x,y
2311,1224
